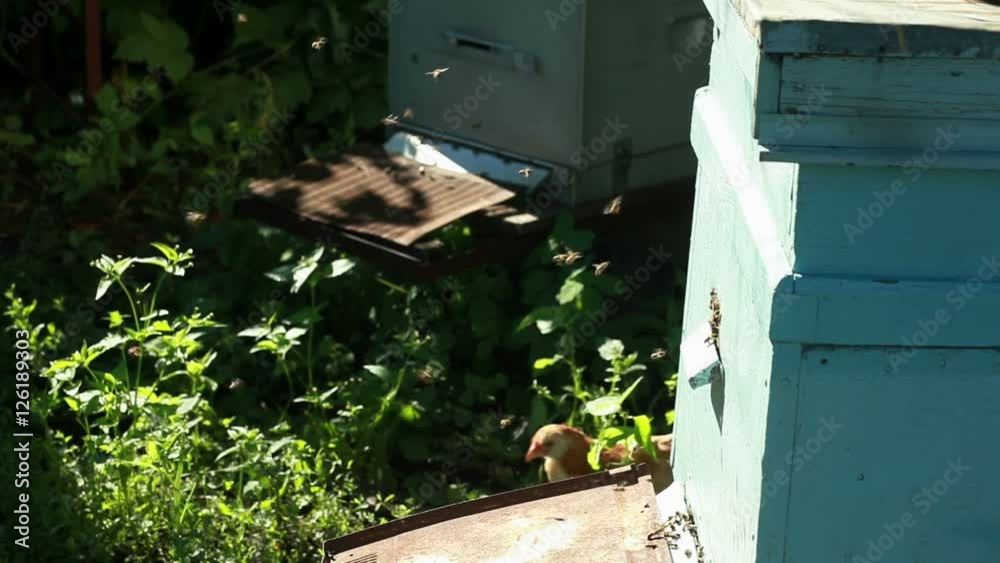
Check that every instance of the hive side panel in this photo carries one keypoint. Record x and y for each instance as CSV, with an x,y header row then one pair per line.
x,y
897,223
875,445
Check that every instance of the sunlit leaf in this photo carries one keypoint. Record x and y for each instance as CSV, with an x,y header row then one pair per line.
x,y
604,406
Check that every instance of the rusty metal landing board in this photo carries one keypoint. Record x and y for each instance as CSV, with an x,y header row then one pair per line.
x,y
605,517
369,192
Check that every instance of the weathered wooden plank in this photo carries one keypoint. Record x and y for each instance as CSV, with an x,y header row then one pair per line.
x,y
823,310
850,156
911,222
885,132
861,86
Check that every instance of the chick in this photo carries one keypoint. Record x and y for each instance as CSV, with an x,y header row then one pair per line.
x,y
565,451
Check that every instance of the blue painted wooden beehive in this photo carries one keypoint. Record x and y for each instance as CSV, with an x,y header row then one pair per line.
x,y
847,217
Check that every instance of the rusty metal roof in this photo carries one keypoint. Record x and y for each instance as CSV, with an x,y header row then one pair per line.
x,y
371,193
606,517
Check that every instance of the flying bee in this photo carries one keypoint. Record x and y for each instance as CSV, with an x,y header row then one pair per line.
x,y
614,207
658,354
408,113
319,43
234,383
567,259
241,17
194,218
526,172
425,376
135,351
599,268
506,421
437,72
391,120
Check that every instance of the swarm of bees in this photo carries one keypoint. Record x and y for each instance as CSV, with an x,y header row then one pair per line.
x,y
437,72
567,259
671,532
715,321
614,207
600,267
526,172
319,43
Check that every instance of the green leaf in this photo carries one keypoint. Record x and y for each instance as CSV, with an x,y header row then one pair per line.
x,y
188,404
340,267
612,349
202,134
15,138
169,252
670,416
152,450
570,290
543,363
631,388
614,434
254,332
604,406
224,509
378,371
115,319
594,455
644,433
103,286
545,327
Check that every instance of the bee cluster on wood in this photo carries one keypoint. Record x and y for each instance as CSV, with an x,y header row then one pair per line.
x,y
715,321
671,532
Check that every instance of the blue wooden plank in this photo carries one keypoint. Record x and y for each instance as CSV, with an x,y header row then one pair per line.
x,y
872,445
884,132
885,87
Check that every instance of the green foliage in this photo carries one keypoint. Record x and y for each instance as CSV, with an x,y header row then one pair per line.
x,y
274,392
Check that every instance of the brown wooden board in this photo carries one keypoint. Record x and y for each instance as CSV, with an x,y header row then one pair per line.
x,y
372,194
607,517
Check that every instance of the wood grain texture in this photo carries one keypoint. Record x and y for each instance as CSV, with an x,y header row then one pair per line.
x,y
864,86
